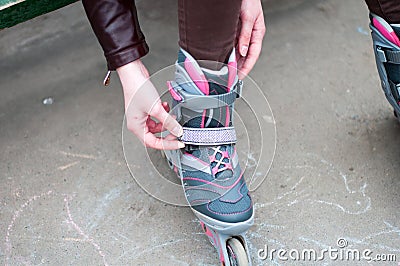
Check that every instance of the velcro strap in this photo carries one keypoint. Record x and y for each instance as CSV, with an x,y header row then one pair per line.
x,y
208,136
393,56
201,102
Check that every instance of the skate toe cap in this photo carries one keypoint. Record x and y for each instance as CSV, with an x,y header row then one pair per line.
x,y
230,212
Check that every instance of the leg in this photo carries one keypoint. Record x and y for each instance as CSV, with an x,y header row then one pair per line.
x,y
387,9
207,28
203,98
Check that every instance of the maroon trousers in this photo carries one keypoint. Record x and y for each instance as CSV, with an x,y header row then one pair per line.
x,y
208,28
387,9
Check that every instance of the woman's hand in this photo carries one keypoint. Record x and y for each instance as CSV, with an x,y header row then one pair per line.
x,y
251,35
142,102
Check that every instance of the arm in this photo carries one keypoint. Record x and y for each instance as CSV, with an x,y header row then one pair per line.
x,y
117,29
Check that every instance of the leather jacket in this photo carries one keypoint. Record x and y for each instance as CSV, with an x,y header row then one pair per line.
x,y
117,29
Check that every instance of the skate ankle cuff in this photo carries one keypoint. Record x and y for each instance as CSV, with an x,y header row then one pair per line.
x,y
201,102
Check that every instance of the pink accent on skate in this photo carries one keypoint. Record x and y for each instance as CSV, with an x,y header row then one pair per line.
x,y
221,254
212,183
232,69
386,30
212,158
173,93
203,118
227,116
206,230
203,189
219,162
214,240
234,200
216,169
197,76
202,201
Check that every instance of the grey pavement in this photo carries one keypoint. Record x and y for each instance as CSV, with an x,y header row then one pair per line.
x,y
67,196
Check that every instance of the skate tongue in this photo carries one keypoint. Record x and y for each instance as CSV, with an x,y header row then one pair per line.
x,y
202,80
220,162
217,80
221,81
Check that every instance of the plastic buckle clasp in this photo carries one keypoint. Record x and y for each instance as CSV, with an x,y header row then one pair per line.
x,y
190,147
381,54
239,87
175,93
398,90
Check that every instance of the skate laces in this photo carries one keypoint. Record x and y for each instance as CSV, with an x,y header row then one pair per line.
x,y
219,156
220,162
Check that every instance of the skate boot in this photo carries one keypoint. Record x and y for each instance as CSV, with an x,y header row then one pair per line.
x,y
208,166
387,55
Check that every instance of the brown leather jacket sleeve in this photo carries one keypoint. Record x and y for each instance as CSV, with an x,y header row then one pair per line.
x,y
116,26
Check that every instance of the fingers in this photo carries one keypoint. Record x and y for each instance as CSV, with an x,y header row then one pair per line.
x,y
168,143
167,121
250,61
140,90
258,32
146,135
155,127
170,137
166,107
245,34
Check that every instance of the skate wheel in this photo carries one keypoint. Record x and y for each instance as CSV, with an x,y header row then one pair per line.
x,y
236,252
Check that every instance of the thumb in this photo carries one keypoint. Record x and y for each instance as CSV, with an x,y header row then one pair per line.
x,y
168,122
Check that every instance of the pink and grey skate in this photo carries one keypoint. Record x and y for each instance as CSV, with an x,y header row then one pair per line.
x,y
208,167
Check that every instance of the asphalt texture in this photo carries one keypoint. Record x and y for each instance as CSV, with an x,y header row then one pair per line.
x,y
67,196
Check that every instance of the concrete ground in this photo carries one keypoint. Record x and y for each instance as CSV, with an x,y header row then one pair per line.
x,y
68,198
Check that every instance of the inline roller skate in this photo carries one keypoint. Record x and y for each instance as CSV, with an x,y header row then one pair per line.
x,y
208,167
